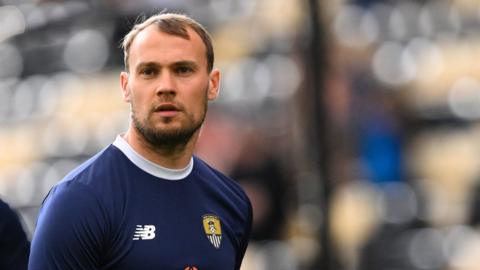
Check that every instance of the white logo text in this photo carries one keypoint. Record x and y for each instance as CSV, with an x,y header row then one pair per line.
x,y
145,232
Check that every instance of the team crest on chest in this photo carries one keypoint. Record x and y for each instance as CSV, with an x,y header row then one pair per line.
x,y
213,229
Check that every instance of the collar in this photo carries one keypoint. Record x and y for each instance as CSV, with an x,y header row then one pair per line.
x,y
150,167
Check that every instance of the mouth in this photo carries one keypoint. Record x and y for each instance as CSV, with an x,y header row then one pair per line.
x,y
167,110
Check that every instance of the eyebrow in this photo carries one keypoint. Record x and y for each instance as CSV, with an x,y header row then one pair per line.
x,y
175,64
186,63
146,64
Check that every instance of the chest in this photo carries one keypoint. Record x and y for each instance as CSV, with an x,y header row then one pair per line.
x,y
173,227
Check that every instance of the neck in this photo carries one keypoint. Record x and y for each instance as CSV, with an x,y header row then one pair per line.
x,y
173,157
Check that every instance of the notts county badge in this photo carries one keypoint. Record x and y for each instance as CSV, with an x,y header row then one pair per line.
x,y
213,229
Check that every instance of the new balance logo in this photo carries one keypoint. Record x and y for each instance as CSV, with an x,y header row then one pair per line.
x,y
145,232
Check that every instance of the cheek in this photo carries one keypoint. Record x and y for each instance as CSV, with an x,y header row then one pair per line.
x,y
139,103
200,100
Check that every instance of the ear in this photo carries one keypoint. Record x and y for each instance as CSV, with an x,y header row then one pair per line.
x,y
214,86
124,84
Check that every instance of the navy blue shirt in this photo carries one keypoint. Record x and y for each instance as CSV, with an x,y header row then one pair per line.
x,y
120,211
14,246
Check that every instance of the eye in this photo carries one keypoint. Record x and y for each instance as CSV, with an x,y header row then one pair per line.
x,y
148,71
184,70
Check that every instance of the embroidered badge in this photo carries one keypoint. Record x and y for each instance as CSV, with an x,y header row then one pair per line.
x,y
213,229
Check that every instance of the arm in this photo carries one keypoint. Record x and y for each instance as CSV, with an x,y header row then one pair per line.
x,y
70,230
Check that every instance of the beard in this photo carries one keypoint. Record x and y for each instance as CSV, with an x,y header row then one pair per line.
x,y
169,139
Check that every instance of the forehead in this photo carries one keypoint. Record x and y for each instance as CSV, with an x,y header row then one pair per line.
x,y
151,44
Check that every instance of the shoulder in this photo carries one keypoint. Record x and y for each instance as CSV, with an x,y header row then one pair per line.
x,y
228,191
72,202
71,221
100,164
83,189
76,209
77,218
224,181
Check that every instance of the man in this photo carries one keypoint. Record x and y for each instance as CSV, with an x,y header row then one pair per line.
x,y
145,202
14,246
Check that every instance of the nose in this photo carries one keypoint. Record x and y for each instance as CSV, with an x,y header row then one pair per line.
x,y
166,84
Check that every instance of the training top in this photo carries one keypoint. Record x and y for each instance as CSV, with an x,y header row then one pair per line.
x,y
120,211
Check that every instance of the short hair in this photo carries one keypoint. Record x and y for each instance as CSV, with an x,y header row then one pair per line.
x,y
173,24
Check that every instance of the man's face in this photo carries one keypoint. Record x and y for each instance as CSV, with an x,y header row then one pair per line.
x,y
168,86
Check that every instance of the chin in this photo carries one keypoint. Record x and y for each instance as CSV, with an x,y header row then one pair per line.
x,y
168,127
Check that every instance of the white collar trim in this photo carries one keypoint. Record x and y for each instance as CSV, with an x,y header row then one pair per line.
x,y
150,167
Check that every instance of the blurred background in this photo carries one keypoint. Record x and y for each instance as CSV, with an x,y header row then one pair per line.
x,y
352,125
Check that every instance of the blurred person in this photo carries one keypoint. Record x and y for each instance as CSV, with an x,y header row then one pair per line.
x,y
263,178
14,245
145,201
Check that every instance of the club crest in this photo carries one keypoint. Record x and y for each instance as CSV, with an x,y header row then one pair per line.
x,y
213,229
